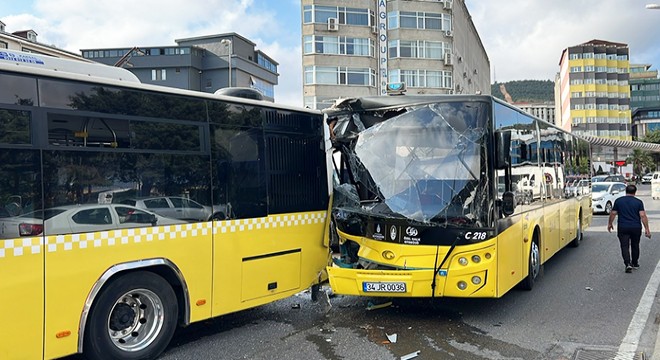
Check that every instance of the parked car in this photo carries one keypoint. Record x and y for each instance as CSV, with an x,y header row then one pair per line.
x,y
603,195
578,187
608,178
79,219
646,179
178,208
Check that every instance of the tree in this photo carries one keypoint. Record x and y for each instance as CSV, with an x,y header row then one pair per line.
x,y
642,161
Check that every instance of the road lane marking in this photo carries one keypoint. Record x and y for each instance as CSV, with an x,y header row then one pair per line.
x,y
629,344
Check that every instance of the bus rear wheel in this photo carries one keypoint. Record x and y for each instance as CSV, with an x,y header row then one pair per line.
x,y
578,232
134,317
534,266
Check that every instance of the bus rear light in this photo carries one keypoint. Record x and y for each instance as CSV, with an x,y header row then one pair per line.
x,y
30,229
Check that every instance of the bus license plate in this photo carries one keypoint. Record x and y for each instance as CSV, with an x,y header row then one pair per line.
x,y
393,287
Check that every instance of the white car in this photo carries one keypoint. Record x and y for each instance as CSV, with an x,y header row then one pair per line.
x,y
646,179
178,208
72,219
603,195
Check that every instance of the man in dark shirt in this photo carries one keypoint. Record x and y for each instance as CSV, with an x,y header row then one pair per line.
x,y
631,212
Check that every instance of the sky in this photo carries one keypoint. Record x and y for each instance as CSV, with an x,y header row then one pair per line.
x,y
523,38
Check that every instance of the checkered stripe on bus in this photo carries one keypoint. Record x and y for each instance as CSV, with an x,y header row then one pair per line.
x,y
68,242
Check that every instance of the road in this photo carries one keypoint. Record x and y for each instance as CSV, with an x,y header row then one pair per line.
x,y
584,307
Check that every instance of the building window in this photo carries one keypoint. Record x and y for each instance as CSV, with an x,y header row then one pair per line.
x,y
422,78
3,45
347,16
418,49
419,20
264,87
158,74
326,75
264,62
338,45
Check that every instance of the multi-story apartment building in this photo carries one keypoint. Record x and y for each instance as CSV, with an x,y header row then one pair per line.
x,y
644,86
545,111
205,63
594,92
430,45
26,41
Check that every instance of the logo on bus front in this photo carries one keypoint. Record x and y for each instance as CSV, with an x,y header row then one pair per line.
x,y
393,233
378,233
411,237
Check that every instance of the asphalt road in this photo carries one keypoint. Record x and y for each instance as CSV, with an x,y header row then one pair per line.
x,y
584,307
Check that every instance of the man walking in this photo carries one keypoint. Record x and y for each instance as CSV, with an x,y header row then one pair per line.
x,y
629,230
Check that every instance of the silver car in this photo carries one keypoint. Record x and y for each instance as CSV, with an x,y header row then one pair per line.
x,y
178,208
72,219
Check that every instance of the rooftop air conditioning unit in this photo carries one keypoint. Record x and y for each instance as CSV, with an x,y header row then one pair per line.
x,y
333,24
448,59
448,4
449,33
374,29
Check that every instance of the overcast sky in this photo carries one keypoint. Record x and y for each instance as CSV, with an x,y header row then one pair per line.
x,y
523,38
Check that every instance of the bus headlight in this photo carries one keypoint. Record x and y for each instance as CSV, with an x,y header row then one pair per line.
x,y
476,258
463,261
462,285
487,256
476,280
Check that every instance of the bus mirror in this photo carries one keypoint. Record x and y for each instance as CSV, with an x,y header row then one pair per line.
x,y
508,203
502,149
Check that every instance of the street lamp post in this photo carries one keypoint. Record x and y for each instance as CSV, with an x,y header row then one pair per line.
x,y
228,43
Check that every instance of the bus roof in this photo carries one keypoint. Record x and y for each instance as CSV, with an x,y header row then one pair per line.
x,y
16,61
44,65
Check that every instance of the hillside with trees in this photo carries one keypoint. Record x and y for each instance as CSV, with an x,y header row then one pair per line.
x,y
536,91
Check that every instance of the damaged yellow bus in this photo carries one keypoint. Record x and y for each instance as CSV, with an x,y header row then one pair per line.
x,y
127,209
450,195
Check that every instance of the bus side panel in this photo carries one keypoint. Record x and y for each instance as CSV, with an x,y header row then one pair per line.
x,y
550,230
21,298
257,261
74,262
510,260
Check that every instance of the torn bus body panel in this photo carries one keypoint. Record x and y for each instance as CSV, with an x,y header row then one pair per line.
x,y
409,170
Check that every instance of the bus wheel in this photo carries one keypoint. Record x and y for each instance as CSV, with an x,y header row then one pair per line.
x,y
134,317
578,233
534,266
608,208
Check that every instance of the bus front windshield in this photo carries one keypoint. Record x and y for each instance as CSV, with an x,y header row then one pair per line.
x,y
427,164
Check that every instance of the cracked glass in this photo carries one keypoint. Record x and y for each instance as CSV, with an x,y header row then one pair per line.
x,y
425,163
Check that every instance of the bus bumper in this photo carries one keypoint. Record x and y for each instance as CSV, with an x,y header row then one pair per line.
x,y
409,283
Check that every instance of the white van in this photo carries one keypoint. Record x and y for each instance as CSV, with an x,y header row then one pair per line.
x,y
655,185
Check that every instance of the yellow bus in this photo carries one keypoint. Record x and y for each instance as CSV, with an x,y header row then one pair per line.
x,y
450,195
130,209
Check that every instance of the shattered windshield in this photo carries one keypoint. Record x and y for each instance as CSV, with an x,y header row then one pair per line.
x,y
427,164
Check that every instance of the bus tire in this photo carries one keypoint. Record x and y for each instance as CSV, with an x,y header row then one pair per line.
x,y
134,317
578,233
533,266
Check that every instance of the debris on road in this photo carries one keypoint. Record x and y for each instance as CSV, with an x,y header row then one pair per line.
x,y
372,306
412,355
392,338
